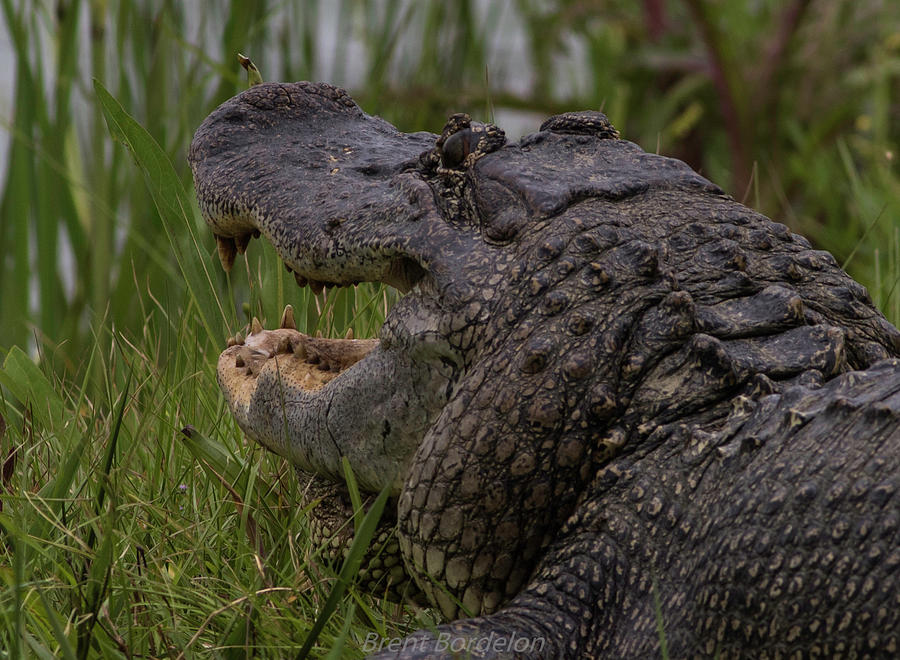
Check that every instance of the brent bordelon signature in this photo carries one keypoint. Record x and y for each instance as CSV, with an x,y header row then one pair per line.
x,y
444,642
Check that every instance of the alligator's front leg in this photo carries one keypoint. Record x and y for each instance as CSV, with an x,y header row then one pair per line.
x,y
571,597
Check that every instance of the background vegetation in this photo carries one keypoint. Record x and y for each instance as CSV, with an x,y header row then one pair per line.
x,y
121,536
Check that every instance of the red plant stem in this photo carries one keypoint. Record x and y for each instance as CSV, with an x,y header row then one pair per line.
x,y
767,82
655,18
718,67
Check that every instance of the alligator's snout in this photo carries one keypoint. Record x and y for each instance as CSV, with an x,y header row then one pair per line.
x,y
304,166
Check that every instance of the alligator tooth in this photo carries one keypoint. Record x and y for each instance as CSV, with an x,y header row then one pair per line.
x,y
348,334
227,251
316,286
241,242
301,281
287,318
255,326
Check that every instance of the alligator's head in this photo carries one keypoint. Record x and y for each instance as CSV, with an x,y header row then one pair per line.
x,y
565,297
345,198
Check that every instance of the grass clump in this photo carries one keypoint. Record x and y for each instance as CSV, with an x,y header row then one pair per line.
x,y
125,534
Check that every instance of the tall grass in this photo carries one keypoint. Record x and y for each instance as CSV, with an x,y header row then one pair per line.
x,y
124,535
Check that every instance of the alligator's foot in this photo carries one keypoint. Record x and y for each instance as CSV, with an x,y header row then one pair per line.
x,y
330,525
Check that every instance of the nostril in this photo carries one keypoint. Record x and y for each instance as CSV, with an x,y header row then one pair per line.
x,y
235,116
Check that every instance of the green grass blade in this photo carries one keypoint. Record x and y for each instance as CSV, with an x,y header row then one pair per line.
x,y
337,650
236,476
19,561
234,639
660,624
21,376
65,649
16,204
220,463
97,584
38,650
111,445
353,488
174,206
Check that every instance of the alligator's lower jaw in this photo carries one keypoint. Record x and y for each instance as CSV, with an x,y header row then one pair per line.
x,y
298,362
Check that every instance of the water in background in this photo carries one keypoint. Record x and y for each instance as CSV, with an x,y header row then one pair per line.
x,y
339,57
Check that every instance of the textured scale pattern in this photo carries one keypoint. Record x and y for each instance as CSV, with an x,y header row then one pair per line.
x,y
608,386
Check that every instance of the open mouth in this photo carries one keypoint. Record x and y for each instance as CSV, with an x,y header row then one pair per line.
x,y
297,360
301,361
316,401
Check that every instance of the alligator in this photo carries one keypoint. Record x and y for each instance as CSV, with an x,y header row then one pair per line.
x,y
616,410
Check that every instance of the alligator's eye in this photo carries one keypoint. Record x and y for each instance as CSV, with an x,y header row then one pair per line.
x,y
456,148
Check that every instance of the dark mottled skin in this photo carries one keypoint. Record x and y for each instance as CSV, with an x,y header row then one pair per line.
x,y
628,385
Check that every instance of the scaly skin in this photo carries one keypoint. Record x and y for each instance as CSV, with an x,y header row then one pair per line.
x,y
608,383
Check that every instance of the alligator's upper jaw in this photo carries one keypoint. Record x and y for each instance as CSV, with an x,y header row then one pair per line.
x,y
327,184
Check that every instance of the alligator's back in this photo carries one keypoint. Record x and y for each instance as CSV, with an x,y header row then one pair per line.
x,y
777,535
